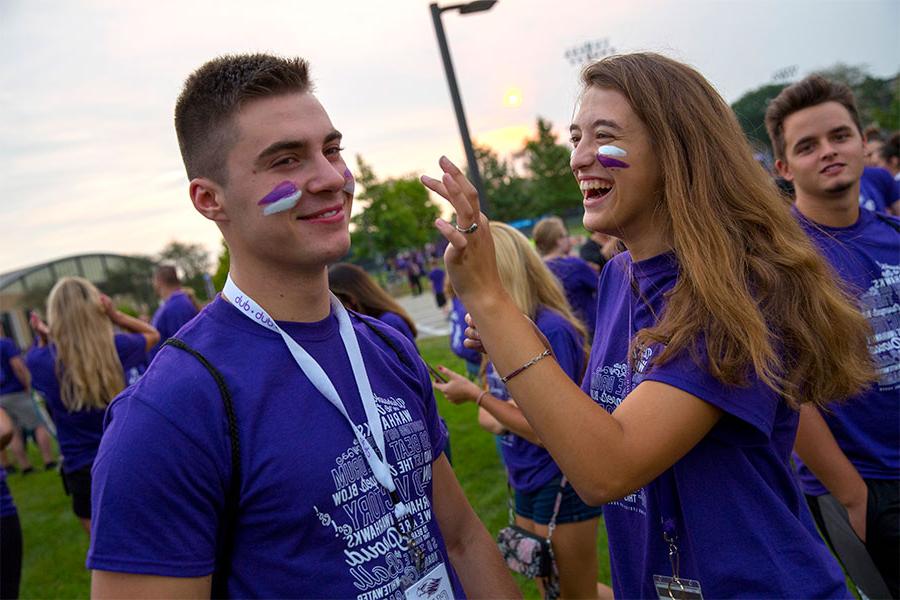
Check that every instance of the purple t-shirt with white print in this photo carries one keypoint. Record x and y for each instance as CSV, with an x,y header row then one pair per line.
x,y
743,526
312,522
171,315
529,466
866,256
878,190
579,282
79,432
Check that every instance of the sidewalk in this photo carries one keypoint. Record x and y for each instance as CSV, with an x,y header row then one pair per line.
x,y
429,319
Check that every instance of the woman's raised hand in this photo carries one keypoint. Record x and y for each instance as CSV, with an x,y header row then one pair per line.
x,y
469,258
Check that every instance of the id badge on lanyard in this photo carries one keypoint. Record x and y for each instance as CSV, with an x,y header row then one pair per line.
x,y
375,456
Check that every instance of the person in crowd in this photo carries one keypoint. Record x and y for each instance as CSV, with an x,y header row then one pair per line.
x,y
436,275
359,292
288,449
176,306
15,399
414,275
874,141
79,365
597,249
890,156
457,336
533,475
715,325
10,528
554,244
849,454
879,191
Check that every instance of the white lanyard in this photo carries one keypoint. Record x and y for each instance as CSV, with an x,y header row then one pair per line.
x,y
314,372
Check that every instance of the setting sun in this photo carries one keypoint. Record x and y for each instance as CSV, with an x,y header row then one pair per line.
x,y
512,97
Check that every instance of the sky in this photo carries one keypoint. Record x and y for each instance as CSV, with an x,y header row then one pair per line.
x,y
89,161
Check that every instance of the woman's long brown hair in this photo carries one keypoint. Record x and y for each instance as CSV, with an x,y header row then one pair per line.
x,y
750,281
353,285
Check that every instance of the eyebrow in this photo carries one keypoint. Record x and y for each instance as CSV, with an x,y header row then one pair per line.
x,y
294,145
809,138
599,123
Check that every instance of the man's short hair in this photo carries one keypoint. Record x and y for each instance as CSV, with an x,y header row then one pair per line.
x,y
810,91
212,95
891,148
167,275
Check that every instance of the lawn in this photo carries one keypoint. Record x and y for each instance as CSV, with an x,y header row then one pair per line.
x,y
55,545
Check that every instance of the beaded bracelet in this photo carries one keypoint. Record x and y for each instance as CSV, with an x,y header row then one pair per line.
x,y
530,363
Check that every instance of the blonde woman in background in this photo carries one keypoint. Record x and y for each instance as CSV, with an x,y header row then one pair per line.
x,y
534,477
79,366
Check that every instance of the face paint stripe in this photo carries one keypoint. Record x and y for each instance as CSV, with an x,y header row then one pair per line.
x,y
286,203
605,156
283,189
350,183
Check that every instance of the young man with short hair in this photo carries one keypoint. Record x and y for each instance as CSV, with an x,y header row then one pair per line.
x,y
850,455
323,476
175,309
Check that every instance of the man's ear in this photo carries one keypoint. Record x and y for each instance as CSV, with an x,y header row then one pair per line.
x,y
207,196
784,170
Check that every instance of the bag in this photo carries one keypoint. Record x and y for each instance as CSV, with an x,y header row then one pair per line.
x,y
529,554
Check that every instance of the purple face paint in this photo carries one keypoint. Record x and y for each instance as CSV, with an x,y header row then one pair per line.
x,y
283,196
606,154
349,182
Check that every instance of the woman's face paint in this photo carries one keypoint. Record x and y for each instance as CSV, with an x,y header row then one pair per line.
x,y
349,182
283,196
606,156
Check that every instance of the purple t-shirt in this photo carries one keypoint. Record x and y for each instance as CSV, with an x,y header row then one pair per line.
x,y
78,433
458,333
436,275
9,383
743,526
7,506
312,521
171,316
878,190
866,255
529,466
397,322
579,281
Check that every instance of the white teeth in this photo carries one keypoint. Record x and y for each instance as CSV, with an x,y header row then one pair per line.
x,y
594,184
330,213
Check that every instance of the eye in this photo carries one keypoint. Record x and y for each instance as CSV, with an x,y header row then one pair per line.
x,y
334,151
285,161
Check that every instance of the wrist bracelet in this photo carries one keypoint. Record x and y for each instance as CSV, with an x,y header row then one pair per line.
x,y
480,398
531,362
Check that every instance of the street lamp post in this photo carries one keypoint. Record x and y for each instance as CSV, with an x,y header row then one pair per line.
x,y
464,9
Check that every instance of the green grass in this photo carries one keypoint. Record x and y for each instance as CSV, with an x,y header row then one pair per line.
x,y
55,545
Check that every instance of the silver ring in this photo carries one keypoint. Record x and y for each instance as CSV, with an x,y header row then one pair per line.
x,y
470,229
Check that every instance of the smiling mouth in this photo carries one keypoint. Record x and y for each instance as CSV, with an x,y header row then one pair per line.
x,y
322,214
594,189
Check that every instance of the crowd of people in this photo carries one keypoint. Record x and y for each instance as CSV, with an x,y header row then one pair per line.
x,y
716,376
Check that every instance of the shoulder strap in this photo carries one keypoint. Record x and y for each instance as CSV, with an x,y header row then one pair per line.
x,y
888,220
229,520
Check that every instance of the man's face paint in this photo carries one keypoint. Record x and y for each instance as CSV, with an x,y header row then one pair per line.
x,y
609,155
349,182
283,196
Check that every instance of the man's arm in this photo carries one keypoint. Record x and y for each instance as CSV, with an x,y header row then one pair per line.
x,y
107,584
820,452
472,551
21,371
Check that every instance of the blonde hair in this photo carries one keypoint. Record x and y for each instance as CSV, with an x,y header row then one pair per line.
x,y
750,281
527,279
87,364
547,233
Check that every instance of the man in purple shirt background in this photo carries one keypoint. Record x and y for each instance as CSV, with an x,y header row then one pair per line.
x,y
176,307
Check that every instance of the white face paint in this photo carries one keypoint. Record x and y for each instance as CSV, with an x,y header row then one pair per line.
x,y
284,197
610,150
349,182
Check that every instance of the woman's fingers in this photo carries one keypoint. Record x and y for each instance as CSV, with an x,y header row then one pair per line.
x,y
462,182
457,239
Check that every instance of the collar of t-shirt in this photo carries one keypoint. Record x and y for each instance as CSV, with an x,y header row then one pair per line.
x,y
376,457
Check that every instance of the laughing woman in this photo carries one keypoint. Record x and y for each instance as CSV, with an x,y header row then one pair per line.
x,y
712,329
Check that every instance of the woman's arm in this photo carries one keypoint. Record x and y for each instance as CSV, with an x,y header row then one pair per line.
x,y
654,426
129,323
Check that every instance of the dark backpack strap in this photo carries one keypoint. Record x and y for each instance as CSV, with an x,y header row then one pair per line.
x,y
404,358
229,520
886,219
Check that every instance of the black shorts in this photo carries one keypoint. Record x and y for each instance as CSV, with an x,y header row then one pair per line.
x,y
77,484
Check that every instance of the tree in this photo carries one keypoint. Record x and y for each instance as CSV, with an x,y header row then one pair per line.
x,y
750,110
507,196
192,259
222,267
552,189
398,214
